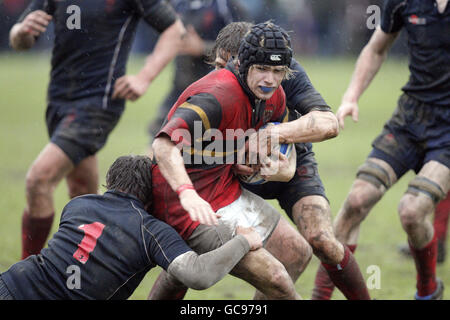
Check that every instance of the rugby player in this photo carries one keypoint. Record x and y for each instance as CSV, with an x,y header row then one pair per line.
x,y
85,102
417,137
303,197
106,244
240,97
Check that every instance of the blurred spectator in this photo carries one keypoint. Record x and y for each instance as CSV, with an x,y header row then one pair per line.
x,y
316,26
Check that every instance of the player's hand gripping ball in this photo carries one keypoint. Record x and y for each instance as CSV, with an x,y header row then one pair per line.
x,y
256,178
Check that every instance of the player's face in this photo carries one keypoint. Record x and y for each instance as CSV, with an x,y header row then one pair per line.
x,y
263,80
221,59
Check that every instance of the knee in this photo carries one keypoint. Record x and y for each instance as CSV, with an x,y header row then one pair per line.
x,y
409,212
282,283
38,181
358,200
326,246
299,258
320,240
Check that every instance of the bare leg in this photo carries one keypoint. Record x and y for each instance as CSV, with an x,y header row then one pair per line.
x,y
361,199
313,218
83,179
259,268
266,274
414,209
45,173
290,248
50,167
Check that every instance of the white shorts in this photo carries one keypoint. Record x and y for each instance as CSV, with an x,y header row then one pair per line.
x,y
249,210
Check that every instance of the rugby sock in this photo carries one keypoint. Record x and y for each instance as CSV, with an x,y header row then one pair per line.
x,y
441,219
34,233
425,260
347,277
323,286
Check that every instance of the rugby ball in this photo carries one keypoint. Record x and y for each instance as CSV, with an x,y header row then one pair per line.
x,y
256,178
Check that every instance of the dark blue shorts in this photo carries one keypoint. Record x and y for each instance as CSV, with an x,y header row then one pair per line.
x,y
415,134
306,182
80,128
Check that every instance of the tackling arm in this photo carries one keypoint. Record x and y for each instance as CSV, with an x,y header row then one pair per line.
x,y
202,271
315,126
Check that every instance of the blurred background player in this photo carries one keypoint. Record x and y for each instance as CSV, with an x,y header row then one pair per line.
x,y
85,102
95,226
203,20
303,197
417,137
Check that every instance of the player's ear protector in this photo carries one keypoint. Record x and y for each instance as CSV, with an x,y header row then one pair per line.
x,y
265,44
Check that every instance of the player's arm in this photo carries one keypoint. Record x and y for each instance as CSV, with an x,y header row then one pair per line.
x,y
202,271
24,33
163,18
179,130
317,122
315,126
171,164
369,62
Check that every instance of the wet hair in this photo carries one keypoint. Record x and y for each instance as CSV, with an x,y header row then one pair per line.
x,y
133,175
229,39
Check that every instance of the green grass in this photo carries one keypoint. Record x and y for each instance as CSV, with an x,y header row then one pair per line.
x,y
23,83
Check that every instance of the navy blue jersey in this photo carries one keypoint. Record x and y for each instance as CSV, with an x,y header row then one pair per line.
x,y
301,96
109,240
92,42
428,44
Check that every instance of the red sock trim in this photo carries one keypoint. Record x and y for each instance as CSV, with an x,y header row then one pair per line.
x,y
425,260
352,247
35,231
342,264
441,217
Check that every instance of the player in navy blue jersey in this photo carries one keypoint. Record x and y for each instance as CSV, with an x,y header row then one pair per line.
x,y
87,91
203,20
303,197
417,137
106,244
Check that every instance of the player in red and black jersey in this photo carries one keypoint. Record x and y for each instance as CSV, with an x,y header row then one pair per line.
x,y
220,108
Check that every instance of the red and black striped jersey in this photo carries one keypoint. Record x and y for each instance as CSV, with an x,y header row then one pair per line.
x,y
209,122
